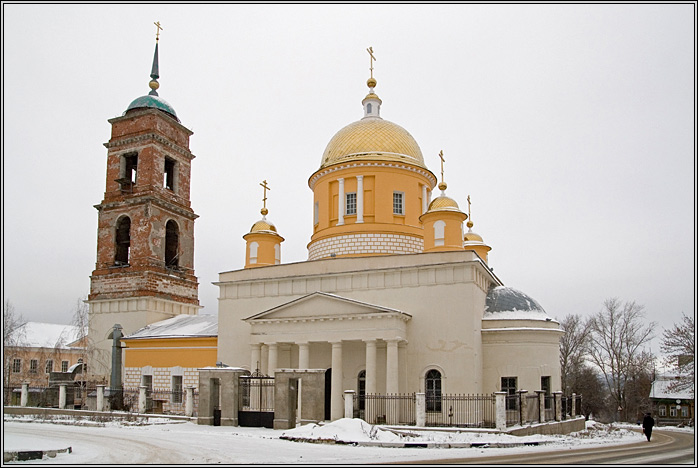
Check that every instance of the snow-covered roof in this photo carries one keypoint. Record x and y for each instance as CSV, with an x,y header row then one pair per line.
x,y
504,302
180,326
47,335
660,389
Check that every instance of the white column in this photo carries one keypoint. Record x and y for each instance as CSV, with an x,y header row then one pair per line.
x,y
360,199
500,410
273,358
141,399
371,366
256,357
392,375
303,355
100,398
337,410
61,396
425,202
349,403
341,200
24,397
421,409
189,403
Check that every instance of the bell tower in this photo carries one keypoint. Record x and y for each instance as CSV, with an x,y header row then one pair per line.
x,y
145,244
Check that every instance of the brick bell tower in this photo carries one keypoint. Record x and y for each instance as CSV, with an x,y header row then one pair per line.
x,y
145,245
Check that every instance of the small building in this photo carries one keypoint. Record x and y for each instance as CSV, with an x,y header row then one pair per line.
x,y
671,406
42,350
165,356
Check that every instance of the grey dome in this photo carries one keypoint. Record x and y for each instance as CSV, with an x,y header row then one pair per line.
x,y
506,299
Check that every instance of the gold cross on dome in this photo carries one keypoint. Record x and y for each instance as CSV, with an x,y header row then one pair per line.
x,y
157,31
443,160
468,206
370,52
266,187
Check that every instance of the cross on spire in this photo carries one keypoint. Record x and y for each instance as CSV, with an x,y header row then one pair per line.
x,y
266,187
157,31
370,52
443,160
468,206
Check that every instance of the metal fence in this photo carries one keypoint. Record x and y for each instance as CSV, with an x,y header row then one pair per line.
x,y
387,409
441,411
162,401
461,411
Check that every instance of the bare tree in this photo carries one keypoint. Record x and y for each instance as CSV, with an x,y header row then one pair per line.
x,y
13,340
573,345
618,334
90,355
678,344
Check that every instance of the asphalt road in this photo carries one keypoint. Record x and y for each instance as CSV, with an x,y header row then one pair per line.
x,y
666,448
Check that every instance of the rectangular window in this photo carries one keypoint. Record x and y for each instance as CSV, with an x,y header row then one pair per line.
x,y
49,366
545,386
316,213
169,174
176,389
64,366
17,366
350,206
684,411
509,386
398,203
672,411
662,410
33,366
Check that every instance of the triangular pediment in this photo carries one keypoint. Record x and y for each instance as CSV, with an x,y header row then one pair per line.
x,y
320,305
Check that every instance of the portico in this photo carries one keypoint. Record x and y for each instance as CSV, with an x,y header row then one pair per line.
x,y
322,330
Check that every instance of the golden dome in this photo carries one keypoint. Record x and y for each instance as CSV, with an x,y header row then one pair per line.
x,y
375,139
443,203
470,236
263,226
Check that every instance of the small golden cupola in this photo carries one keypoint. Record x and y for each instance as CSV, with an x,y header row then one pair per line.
x,y
371,188
443,221
473,241
263,242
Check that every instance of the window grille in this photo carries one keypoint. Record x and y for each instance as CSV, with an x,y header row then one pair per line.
x,y
49,366
17,366
33,366
398,203
350,206
64,366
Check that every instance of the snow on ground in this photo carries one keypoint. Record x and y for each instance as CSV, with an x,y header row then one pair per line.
x,y
343,441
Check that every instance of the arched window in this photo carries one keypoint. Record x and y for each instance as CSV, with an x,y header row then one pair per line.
x,y
361,385
171,244
439,228
432,384
277,253
253,252
369,108
122,241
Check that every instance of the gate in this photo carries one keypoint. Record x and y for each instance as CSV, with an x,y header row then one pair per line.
x,y
256,401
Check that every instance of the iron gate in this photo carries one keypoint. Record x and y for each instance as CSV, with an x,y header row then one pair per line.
x,y
256,401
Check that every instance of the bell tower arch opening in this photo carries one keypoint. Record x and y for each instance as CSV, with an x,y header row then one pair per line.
x,y
122,248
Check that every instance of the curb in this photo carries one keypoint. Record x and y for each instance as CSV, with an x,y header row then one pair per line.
x,y
24,455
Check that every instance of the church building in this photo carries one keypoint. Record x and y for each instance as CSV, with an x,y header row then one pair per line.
x,y
395,296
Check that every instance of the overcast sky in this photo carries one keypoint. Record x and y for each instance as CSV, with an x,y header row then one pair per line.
x,y
572,127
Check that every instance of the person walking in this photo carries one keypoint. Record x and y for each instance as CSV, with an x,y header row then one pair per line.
x,y
647,424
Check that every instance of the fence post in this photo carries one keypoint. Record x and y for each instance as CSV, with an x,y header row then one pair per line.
x,y
523,406
421,409
541,405
141,399
349,403
558,406
24,398
574,404
61,396
189,404
100,398
500,410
